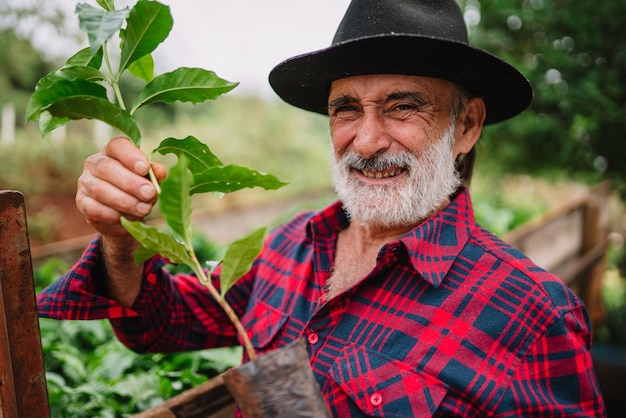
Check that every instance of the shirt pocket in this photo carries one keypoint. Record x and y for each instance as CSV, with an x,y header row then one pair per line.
x,y
382,387
263,323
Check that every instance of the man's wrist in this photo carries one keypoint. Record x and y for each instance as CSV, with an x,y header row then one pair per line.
x,y
123,277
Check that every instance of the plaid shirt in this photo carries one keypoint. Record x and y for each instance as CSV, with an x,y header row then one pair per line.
x,y
450,322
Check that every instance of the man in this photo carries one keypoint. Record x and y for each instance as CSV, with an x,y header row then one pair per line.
x,y
408,306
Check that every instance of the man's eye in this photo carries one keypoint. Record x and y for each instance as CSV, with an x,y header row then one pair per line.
x,y
405,107
343,110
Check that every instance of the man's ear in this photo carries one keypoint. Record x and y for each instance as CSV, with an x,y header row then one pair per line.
x,y
469,126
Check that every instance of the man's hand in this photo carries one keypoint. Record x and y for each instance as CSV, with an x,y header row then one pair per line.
x,y
114,183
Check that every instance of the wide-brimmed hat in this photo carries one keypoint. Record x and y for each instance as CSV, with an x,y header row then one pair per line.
x,y
414,37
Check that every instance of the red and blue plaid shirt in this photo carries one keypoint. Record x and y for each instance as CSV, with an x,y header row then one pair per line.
x,y
450,322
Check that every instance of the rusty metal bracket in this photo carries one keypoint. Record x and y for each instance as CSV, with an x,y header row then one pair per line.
x,y
23,391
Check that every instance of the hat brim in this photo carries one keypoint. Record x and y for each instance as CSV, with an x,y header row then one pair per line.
x,y
304,81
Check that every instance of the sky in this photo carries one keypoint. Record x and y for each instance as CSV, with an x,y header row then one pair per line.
x,y
241,40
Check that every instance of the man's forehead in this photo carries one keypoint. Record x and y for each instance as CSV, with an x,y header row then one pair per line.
x,y
388,86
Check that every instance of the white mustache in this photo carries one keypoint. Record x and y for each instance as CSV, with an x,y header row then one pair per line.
x,y
379,162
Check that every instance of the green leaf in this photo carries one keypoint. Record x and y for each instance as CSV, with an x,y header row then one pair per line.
x,y
48,123
143,68
84,72
175,200
143,254
194,85
88,107
100,25
159,242
84,57
58,89
106,4
70,73
230,178
239,258
148,24
198,154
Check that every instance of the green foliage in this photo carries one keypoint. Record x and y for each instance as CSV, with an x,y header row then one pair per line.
x,y
204,248
184,85
20,64
574,54
75,92
91,374
239,257
208,175
503,203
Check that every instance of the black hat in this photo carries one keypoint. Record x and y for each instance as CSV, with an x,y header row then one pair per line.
x,y
414,37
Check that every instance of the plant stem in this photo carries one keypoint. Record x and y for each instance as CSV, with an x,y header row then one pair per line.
x,y
232,316
114,77
154,180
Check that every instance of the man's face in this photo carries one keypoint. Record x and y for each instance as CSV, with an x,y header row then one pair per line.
x,y
393,147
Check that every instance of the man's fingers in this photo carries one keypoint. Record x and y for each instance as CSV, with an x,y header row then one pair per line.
x,y
131,157
112,171
114,183
104,219
159,171
118,198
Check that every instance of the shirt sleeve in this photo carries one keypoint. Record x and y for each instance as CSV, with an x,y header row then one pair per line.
x,y
172,312
556,377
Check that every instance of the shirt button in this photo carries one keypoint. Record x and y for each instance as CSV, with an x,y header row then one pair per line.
x,y
376,399
313,338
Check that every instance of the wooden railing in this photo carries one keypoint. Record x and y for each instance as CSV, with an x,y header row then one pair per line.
x,y
570,241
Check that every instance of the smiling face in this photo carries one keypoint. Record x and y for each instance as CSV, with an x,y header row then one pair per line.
x,y
395,143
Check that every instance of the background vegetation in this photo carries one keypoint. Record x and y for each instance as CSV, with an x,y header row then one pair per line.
x,y
573,52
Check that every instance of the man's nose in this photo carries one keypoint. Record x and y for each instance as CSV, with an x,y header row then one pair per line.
x,y
371,136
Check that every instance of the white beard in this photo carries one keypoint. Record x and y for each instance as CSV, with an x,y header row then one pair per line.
x,y
432,179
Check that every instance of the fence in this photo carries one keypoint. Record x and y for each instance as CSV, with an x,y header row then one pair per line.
x,y
571,242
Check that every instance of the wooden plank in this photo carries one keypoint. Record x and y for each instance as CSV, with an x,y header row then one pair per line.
x,y
208,400
597,227
566,233
556,241
571,242
23,390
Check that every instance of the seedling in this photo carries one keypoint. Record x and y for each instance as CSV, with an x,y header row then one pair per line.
x,y
79,90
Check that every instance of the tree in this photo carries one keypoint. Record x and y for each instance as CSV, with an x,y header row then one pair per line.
x,y
574,54
21,62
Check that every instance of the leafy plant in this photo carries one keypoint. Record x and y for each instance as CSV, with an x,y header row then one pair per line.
x,y
80,90
89,373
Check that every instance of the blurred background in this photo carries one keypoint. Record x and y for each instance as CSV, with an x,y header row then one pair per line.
x,y
569,140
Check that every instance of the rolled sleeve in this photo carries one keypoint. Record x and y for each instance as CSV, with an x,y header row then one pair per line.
x,y
77,295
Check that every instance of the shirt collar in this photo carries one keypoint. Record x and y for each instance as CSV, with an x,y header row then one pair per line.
x,y
435,244
328,221
432,246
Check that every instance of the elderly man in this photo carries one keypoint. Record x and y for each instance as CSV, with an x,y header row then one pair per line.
x,y
409,307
